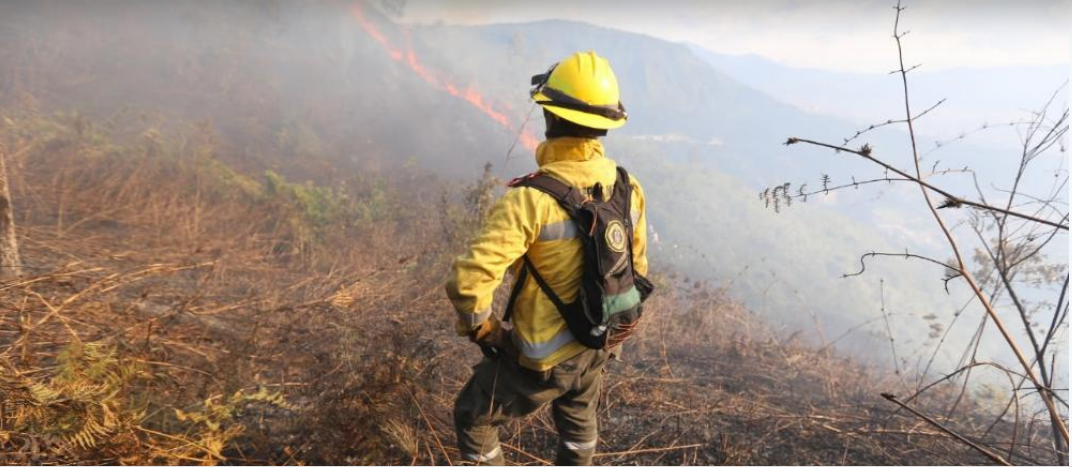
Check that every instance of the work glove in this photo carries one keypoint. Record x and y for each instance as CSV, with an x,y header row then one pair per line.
x,y
493,339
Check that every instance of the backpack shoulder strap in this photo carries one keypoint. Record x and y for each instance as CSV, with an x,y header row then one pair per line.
x,y
568,196
545,287
622,195
623,175
570,199
519,180
526,268
519,282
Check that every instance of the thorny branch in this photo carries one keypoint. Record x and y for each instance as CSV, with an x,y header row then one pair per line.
x,y
803,193
939,144
1055,414
876,126
952,201
953,272
889,332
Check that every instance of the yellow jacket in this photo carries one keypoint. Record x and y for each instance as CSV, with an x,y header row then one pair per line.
x,y
528,221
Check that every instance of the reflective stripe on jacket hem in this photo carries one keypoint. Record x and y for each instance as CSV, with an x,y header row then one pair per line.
x,y
541,350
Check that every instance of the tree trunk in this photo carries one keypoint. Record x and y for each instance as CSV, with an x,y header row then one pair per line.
x,y
10,266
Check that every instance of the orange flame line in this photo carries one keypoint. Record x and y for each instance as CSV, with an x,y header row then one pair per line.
x,y
529,141
409,58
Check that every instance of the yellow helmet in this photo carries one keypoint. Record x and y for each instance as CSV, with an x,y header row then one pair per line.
x,y
582,89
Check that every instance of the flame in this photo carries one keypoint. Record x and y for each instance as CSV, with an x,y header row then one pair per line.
x,y
529,141
409,58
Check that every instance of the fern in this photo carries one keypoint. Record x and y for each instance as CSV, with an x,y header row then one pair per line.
x,y
78,403
214,422
86,402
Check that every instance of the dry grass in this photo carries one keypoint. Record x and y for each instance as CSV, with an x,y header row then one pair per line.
x,y
250,332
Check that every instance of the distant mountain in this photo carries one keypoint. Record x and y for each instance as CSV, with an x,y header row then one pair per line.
x,y
973,96
726,119
670,93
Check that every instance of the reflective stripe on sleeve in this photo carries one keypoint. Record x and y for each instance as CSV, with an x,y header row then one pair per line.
x,y
558,231
474,318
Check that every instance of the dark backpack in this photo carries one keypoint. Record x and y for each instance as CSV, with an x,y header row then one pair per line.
x,y
608,305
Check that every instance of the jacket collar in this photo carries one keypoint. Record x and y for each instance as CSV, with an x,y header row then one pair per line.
x,y
568,149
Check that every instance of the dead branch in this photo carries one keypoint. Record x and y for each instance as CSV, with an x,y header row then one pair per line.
x,y
905,255
431,428
952,201
986,452
647,450
889,332
1054,413
10,264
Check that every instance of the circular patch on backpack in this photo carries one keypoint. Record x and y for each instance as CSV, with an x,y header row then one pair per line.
x,y
615,236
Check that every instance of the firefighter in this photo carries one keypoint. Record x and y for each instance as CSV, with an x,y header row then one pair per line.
x,y
539,360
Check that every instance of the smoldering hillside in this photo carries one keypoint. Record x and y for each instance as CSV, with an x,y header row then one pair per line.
x,y
175,310
235,219
360,93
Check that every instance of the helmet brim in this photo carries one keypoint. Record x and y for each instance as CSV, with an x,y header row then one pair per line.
x,y
586,119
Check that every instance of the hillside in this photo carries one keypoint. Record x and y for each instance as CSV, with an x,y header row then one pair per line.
x,y
177,310
236,219
316,84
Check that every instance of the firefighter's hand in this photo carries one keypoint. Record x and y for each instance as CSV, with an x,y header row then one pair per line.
x,y
493,339
485,330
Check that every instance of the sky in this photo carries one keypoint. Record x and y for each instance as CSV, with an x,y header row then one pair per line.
x,y
837,35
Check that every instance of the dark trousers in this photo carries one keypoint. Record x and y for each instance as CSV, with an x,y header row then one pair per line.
x,y
500,390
